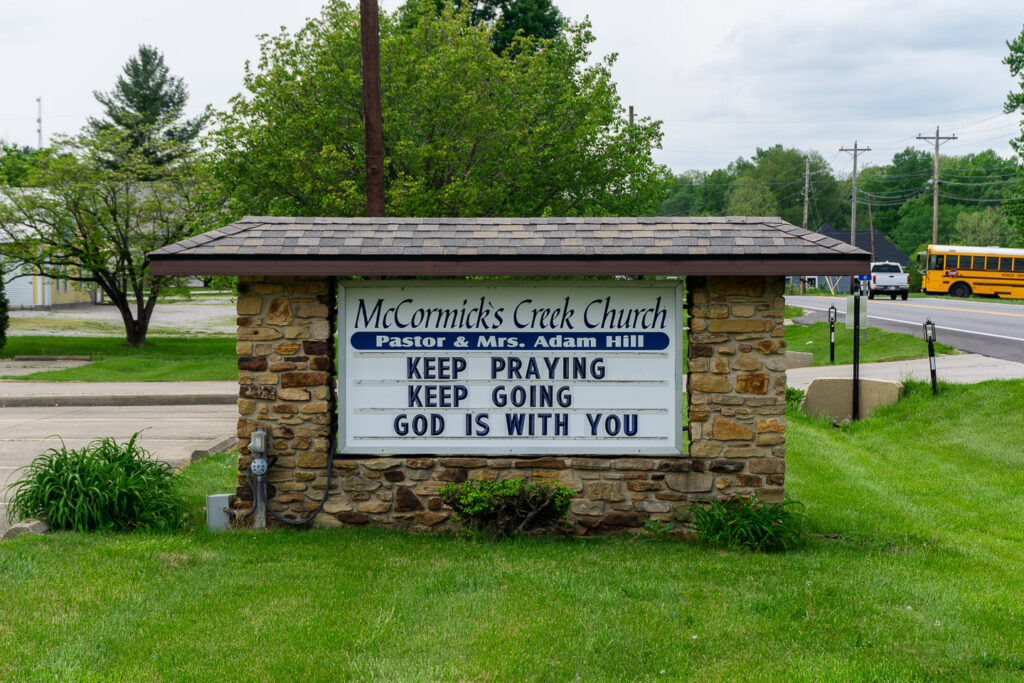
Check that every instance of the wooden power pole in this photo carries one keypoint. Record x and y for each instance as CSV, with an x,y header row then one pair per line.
x,y
807,187
853,199
373,125
935,180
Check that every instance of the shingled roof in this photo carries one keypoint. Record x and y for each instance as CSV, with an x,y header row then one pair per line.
x,y
509,246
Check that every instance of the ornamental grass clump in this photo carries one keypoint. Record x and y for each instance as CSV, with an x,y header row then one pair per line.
x,y
751,524
512,506
103,486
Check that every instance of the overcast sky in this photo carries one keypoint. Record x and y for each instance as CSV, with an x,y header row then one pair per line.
x,y
725,77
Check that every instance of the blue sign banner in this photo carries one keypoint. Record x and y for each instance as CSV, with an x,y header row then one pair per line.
x,y
529,341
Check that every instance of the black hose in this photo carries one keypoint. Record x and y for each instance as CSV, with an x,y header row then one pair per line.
x,y
327,491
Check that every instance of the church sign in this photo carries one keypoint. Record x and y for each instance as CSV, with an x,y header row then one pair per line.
x,y
503,367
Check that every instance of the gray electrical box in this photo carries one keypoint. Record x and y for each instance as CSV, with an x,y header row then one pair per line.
x,y
217,517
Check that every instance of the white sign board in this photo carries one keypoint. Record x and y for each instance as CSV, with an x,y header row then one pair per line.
x,y
850,304
501,367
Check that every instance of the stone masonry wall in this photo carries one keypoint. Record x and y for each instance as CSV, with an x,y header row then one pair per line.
x,y
286,384
736,405
737,383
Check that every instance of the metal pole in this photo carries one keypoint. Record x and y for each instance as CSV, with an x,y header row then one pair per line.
x,y
831,342
931,364
373,122
831,336
856,357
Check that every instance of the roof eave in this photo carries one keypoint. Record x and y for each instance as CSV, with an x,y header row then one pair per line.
x,y
183,265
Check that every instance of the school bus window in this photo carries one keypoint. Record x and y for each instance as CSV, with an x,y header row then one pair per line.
x,y
935,262
979,263
951,262
1018,265
992,263
1004,264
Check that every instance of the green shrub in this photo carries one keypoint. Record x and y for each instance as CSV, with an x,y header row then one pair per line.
x,y
105,485
512,506
794,397
751,524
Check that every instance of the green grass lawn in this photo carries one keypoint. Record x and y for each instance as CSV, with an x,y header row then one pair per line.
x,y
161,359
880,345
916,572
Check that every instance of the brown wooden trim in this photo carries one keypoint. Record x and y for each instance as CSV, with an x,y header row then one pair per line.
x,y
743,265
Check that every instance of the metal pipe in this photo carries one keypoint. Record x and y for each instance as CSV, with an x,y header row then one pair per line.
x,y
855,414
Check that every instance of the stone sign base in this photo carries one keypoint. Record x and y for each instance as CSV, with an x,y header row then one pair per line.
x,y
616,494
735,389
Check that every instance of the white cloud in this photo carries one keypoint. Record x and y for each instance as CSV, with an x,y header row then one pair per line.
x,y
725,77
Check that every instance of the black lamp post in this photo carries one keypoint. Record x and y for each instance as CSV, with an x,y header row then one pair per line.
x,y
929,336
832,333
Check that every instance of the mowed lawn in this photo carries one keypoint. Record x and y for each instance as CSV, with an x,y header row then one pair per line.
x,y
915,572
161,359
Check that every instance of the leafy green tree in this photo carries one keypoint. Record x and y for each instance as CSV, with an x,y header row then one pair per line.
x,y
467,132
749,198
534,18
888,187
16,162
85,221
985,228
147,107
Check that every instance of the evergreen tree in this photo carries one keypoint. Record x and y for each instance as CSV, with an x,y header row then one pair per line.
x,y
535,18
147,106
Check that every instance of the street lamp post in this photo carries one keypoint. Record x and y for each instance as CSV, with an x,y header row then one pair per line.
x,y
929,336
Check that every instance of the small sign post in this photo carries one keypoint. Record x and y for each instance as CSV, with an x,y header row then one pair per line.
x,y
832,333
855,408
929,336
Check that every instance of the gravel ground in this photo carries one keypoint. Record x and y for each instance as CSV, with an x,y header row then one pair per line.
x,y
209,315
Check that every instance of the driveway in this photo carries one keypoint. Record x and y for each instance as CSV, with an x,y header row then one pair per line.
x,y
170,433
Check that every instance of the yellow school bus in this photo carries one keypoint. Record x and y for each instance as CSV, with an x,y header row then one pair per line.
x,y
962,271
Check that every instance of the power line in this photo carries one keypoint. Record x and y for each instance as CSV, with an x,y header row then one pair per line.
x,y
997,200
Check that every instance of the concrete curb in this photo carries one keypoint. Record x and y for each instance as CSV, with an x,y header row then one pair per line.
x,y
51,358
118,400
213,448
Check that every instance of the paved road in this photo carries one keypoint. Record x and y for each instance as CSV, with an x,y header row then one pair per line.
x,y
988,328
171,432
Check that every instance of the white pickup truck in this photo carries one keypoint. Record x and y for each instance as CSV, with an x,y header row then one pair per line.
x,y
887,277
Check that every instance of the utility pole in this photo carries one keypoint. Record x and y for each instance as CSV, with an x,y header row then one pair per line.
x,y
853,196
807,187
935,180
39,120
373,125
631,116
871,227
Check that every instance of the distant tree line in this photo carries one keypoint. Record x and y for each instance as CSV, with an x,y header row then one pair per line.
x,y
979,195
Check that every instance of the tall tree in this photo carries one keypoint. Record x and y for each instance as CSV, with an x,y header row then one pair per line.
x,y
985,228
17,161
534,18
147,106
85,221
1015,98
467,132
